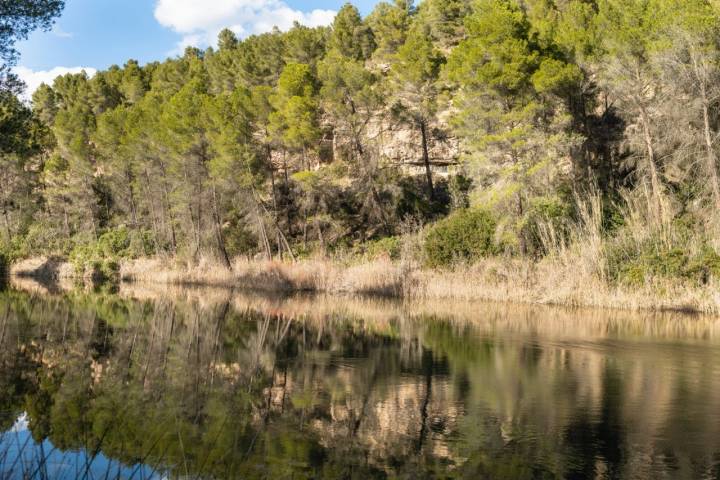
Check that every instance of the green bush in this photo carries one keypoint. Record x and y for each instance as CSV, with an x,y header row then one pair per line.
x,y
15,249
102,257
674,263
704,265
240,241
390,247
465,236
545,211
114,243
459,186
41,240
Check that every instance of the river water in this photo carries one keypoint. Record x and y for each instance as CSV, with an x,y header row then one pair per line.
x,y
156,382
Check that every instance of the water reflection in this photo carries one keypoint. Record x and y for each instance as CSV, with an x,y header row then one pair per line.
x,y
219,384
21,457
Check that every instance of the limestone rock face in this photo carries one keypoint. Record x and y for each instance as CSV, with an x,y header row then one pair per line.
x,y
402,145
389,142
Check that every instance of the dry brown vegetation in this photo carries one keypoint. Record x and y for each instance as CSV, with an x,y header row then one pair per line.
x,y
375,313
575,272
375,278
43,268
553,281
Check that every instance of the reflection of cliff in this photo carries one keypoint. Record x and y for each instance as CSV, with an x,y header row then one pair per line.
x,y
236,386
607,404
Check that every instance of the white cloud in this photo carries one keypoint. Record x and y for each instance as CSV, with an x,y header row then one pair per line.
x,y
200,21
33,79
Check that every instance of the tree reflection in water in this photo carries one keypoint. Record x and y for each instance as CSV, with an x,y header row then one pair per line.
x,y
219,384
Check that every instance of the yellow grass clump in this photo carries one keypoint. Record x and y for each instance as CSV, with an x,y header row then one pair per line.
x,y
380,277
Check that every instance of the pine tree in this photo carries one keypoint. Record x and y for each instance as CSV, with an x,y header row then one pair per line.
x,y
350,36
630,32
390,24
509,130
17,19
294,121
415,74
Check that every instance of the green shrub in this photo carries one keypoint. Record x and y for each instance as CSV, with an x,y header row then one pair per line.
x,y
82,256
15,249
674,263
390,247
545,212
666,264
704,265
465,236
239,240
41,240
114,243
102,257
459,186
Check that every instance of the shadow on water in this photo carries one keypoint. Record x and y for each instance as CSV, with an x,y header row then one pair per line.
x,y
158,382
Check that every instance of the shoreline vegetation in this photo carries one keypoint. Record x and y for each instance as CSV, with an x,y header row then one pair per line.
x,y
551,283
372,312
513,150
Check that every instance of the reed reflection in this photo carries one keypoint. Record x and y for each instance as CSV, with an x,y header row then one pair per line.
x,y
221,384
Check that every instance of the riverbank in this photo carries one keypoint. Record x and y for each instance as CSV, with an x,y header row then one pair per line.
x,y
547,282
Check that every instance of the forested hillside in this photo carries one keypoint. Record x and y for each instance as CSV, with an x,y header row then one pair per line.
x,y
581,129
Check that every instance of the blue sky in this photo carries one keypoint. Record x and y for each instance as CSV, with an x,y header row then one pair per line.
x,y
94,34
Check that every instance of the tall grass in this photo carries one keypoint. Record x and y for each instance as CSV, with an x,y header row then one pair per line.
x,y
378,277
574,277
583,265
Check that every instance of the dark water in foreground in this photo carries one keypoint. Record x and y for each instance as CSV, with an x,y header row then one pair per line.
x,y
218,384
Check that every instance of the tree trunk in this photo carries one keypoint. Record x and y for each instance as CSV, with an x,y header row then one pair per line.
x,y
286,243
66,221
199,216
167,208
276,213
650,150
305,226
377,202
521,212
153,212
195,229
637,99
426,161
263,235
196,233
7,224
218,229
427,361
133,208
711,156
321,238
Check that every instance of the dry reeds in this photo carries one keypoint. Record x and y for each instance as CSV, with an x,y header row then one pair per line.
x,y
380,277
574,272
572,278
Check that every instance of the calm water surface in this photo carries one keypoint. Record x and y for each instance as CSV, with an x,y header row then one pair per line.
x,y
154,382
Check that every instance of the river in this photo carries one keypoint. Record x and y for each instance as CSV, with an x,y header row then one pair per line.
x,y
161,382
